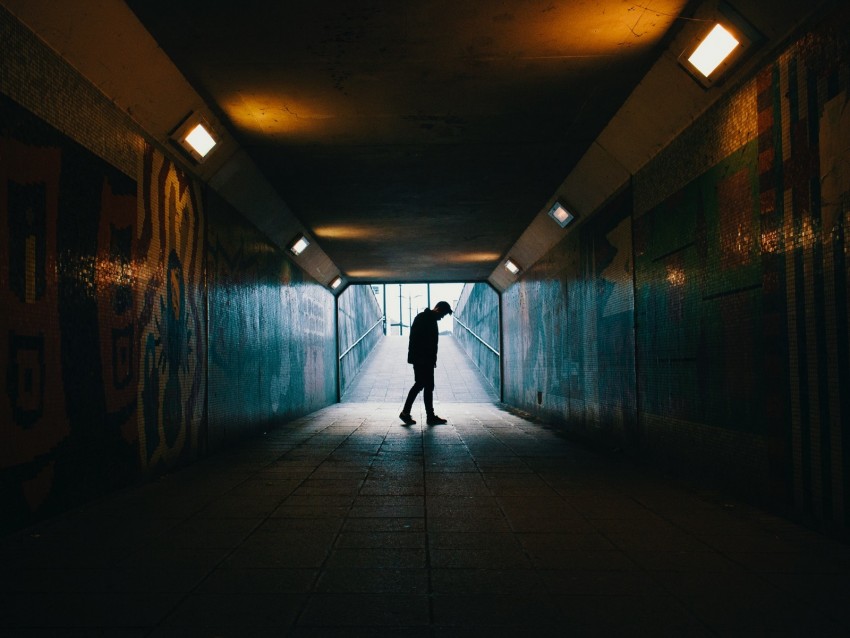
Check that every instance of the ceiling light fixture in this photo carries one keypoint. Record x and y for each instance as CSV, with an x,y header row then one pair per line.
x,y
716,51
561,215
299,245
716,47
195,136
512,267
200,139
336,283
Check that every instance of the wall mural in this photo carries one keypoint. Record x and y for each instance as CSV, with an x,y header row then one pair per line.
x,y
103,333
172,330
741,360
117,266
67,340
805,189
32,396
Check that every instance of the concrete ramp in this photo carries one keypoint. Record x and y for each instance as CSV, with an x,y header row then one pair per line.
x,y
386,376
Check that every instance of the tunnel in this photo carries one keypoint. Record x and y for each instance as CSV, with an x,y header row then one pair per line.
x,y
643,385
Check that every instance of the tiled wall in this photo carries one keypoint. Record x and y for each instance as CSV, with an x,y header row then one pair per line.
x,y
476,329
271,331
109,257
360,327
568,331
703,320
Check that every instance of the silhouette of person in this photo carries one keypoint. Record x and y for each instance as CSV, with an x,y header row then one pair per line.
x,y
422,353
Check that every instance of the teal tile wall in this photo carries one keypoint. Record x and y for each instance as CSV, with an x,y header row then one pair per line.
x,y
477,327
271,331
568,331
360,326
725,353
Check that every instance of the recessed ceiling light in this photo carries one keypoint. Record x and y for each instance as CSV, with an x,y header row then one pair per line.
x,y
713,50
299,245
724,43
200,140
512,266
336,283
195,136
560,214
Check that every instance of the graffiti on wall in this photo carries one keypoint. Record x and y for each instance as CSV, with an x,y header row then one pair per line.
x,y
171,314
271,344
118,265
33,420
102,330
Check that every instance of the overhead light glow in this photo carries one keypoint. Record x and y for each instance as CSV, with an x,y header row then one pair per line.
x,y
336,283
299,245
711,52
199,138
512,267
195,136
560,214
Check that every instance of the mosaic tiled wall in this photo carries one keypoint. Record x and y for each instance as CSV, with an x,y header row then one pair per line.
x,y
109,257
748,297
477,313
164,270
739,366
568,331
271,331
360,327
103,325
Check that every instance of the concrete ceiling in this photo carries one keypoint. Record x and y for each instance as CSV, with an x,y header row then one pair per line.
x,y
414,140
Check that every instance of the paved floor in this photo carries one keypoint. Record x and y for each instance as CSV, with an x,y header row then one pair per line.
x,y
347,523
386,376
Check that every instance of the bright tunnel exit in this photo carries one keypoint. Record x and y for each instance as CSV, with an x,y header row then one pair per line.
x,y
401,302
374,324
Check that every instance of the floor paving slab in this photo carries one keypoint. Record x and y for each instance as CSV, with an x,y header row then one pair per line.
x,y
345,522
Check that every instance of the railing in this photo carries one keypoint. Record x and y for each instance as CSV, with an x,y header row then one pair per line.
x,y
365,334
470,331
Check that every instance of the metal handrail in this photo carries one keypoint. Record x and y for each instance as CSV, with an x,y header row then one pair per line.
x,y
470,331
365,334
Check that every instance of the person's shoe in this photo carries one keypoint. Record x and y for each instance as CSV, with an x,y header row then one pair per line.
x,y
405,416
433,419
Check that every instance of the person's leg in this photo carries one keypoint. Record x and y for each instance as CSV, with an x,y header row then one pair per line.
x,y
411,397
418,385
426,378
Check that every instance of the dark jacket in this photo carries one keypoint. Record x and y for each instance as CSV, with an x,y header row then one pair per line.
x,y
422,347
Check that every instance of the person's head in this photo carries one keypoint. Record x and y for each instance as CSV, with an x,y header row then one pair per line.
x,y
442,309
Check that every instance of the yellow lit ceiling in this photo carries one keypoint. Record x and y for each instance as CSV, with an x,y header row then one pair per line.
x,y
415,139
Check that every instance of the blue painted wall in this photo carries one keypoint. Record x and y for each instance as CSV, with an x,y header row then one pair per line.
x,y
360,328
568,331
271,331
476,324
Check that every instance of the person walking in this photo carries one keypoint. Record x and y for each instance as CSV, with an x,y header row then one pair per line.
x,y
422,353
